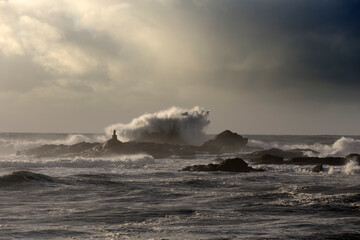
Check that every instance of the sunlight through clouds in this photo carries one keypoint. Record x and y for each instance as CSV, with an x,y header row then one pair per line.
x,y
138,55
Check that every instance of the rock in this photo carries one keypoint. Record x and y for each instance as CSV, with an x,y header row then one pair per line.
x,y
273,155
353,157
51,150
318,168
111,143
270,159
335,161
276,153
228,165
226,141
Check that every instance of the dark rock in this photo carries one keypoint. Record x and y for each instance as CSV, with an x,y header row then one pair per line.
x,y
335,161
113,142
226,141
228,165
318,168
273,155
270,159
51,150
353,157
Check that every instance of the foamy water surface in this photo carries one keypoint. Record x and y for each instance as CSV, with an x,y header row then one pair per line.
x,y
138,197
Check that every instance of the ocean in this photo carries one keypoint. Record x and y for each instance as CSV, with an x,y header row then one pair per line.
x,y
138,197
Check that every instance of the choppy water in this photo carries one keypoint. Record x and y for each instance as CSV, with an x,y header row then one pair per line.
x,y
137,197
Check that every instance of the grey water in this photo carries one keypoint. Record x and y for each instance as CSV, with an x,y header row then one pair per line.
x,y
138,197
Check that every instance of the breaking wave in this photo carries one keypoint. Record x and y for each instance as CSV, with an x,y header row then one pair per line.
x,y
341,147
131,161
174,125
9,145
351,167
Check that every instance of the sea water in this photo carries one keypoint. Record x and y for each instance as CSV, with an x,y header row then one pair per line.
x,y
138,197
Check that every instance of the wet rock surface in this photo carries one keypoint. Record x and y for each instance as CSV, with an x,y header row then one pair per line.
x,y
318,168
227,165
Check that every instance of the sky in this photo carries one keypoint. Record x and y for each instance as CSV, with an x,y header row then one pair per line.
x,y
258,67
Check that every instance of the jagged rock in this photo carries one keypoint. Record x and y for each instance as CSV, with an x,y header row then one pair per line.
x,y
335,161
318,168
228,165
226,141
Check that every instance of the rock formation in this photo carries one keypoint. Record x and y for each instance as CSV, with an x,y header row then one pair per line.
x,y
318,168
353,157
228,165
274,154
226,141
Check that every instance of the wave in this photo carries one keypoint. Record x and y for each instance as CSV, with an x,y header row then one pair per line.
x,y
351,167
9,145
173,125
130,161
341,147
24,176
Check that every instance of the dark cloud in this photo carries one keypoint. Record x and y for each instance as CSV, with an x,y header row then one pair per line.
x,y
313,44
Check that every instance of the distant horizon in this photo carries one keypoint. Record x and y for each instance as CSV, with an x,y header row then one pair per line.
x,y
209,134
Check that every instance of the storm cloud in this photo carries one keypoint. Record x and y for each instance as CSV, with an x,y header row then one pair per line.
x,y
268,66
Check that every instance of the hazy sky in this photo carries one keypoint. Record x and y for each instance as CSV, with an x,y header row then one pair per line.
x,y
265,66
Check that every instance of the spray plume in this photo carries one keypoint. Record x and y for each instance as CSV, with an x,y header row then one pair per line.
x,y
174,125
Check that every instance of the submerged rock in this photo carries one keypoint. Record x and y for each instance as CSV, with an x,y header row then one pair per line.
x,y
318,168
227,165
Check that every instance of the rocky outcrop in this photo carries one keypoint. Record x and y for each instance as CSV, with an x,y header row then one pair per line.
x,y
318,168
274,155
354,157
226,141
52,150
228,165
269,159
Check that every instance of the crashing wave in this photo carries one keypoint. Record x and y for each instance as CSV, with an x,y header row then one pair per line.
x,y
174,125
